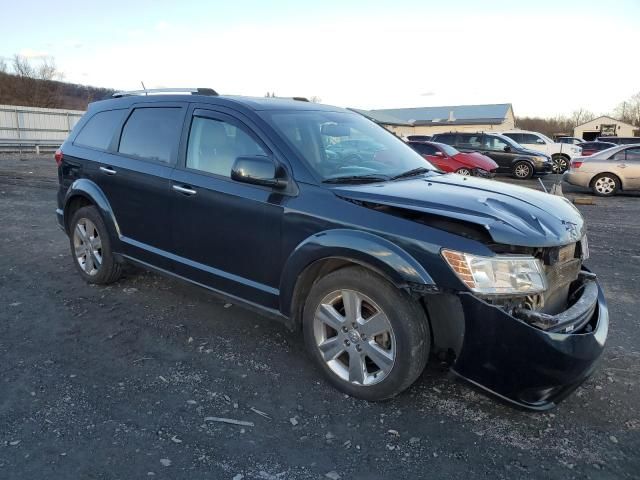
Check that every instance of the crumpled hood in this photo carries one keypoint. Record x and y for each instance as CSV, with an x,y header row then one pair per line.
x,y
511,214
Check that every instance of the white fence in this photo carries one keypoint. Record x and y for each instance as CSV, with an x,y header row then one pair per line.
x,y
32,127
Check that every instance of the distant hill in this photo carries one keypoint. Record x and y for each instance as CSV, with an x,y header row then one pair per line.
x,y
31,92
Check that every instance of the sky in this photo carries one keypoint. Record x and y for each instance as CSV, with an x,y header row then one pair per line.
x,y
545,57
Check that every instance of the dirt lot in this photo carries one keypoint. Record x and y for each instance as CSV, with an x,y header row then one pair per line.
x,y
118,381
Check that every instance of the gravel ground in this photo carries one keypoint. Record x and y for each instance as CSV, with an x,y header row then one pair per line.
x,y
119,381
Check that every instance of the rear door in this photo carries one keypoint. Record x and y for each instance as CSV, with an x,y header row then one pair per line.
x,y
135,177
226,233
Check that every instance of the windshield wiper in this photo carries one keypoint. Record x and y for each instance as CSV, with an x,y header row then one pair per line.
x,y
411,173
357,179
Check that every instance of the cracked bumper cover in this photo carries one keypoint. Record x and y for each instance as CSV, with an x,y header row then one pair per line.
x,y
527,366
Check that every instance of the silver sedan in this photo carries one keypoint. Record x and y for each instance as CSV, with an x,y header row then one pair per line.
x,y
608,171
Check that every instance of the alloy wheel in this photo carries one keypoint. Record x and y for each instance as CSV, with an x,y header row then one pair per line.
x,y
87,246
465,172
605,185
354,337
559,164
522,170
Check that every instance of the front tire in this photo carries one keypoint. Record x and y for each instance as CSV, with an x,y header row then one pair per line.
x,y
523,170
91,247
369,339
605,185
560,163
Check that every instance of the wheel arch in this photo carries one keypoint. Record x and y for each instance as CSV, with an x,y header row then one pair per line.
x,y
328,251
84,192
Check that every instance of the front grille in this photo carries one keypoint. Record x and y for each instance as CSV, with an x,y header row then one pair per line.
x,y
563,273
562,267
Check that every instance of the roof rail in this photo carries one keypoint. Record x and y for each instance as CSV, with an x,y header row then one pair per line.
x,y
192,91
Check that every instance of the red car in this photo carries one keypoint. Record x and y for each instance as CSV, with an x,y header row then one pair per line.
x,y
448,159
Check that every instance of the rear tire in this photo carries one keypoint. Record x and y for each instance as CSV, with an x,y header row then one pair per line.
x,y
522,170
605,185
370,339
91,247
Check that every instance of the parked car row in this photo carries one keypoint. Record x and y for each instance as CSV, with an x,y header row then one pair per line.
x,y
510,156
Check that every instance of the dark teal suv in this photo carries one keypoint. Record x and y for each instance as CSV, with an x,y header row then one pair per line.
x,y
318,217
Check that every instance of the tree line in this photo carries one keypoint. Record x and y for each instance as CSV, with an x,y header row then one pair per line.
x,y
39,84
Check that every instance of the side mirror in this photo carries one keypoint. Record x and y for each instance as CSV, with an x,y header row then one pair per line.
x,y
540,141
257,170
507,148
439,153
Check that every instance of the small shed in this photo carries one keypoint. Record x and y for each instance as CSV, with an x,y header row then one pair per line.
x,y
605,127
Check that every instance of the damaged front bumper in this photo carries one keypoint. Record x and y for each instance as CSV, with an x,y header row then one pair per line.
x,y
537,360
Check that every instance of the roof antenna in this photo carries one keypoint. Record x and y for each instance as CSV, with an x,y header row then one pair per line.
x,y
144,88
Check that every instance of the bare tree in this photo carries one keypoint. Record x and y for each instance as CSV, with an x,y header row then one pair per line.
x,y
629,110
315,99
3,65
36,84
578,117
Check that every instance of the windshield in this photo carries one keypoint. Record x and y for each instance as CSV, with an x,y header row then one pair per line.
x,y
337,144
509,141
448,149
546,139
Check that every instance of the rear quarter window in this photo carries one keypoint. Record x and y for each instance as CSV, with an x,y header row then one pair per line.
x,y
99,129
152,133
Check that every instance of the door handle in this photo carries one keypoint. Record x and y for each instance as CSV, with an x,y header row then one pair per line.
x,y
622,165
184,190
108,170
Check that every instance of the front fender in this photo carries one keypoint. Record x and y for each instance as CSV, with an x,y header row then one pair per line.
x,y
91,191
360,247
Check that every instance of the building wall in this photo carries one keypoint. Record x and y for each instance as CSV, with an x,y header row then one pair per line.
x,y
622,129
405,131
31,123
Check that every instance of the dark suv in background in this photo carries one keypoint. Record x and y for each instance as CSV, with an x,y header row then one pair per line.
x,y
510,156
379,258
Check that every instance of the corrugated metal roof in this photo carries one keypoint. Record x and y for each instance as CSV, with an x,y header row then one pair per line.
x,y
380,117
493,113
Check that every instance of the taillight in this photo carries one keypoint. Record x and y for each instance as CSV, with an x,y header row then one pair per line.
x,y
576,164
58,156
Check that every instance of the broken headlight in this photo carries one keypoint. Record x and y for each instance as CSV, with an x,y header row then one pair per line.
x,y
499,275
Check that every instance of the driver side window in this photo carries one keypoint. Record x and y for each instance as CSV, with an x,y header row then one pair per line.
x,y
494,143
214,146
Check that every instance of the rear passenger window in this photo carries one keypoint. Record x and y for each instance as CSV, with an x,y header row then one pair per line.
x,y
151,133
214,146
98,131
516,137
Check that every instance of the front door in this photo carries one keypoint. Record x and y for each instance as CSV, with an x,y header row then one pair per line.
x,y
627,162
496,149
226,234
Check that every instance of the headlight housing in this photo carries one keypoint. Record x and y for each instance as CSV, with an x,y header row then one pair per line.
x,y
499,275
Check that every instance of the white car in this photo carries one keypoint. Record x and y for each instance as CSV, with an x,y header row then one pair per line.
x,y
560,153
